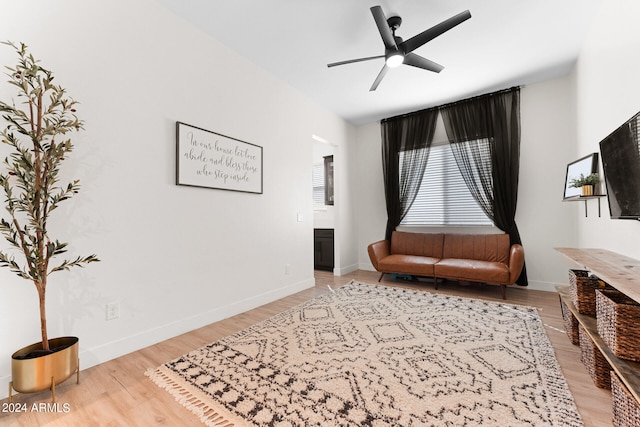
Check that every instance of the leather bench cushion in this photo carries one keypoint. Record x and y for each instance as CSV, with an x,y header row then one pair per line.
x,y
408,264
420,244
472,270
484,247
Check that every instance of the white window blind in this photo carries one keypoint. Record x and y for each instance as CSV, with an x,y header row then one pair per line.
x,y
443,198
317,181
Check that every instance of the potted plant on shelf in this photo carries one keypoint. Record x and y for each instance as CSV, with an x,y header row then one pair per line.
x,y
36,133
586,183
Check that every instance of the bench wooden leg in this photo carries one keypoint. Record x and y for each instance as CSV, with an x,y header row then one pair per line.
x,y
503,289
435,282
381,276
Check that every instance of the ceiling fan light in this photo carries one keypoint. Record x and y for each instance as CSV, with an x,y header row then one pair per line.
x,y
394,60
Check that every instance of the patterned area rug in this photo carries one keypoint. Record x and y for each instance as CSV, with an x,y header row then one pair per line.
x,y
370,355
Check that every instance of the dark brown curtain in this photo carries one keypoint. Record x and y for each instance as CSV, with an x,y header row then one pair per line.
x,y
489,127
411,135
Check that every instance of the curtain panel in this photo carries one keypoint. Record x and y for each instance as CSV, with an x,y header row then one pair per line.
x,y
469,125
411,135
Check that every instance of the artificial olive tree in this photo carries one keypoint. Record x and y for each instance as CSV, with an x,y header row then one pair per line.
x,y
37,123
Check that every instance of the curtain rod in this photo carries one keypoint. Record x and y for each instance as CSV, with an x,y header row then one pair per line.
x,y
511,89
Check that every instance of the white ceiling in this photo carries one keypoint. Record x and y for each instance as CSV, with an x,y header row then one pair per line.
x,y
505,43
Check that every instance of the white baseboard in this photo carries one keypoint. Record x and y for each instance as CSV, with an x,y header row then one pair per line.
x,y
345,270
541,286
366,266
108,351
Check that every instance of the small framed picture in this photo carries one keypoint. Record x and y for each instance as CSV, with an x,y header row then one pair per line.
x,y
584,166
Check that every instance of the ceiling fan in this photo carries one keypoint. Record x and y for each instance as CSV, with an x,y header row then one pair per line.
x,y
399,52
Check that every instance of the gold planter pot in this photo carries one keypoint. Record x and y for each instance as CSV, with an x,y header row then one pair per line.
x,y
587,190
44,372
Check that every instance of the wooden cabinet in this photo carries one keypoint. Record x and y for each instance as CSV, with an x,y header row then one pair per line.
x,y
323,252
623,273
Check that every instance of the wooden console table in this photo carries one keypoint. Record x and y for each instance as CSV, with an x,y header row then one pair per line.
x,y
623,273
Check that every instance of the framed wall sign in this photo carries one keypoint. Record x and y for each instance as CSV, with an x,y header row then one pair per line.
x,y
211,160
585,166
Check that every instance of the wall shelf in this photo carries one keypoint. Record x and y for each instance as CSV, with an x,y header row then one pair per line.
x,y
585,198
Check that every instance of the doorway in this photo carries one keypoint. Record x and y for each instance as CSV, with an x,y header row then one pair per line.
x,y
324,210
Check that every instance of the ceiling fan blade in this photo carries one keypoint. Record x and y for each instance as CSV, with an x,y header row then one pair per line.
x,y
420,62
350,61
378,79
416,41
383,28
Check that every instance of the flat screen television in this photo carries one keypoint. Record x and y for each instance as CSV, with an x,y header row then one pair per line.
x,y
620,153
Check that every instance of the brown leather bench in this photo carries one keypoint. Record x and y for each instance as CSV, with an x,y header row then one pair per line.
x,y
484,258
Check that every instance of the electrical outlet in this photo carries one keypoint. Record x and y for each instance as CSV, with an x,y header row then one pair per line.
x,y
287,269
113,310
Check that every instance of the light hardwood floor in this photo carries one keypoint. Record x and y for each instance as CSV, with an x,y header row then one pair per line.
x,y
117,393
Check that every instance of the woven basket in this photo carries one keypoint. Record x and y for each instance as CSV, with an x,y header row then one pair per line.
x,y
618,317
583,291
597,366
570,323
626,411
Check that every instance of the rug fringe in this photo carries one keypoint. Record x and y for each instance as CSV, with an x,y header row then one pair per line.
x,y
210,416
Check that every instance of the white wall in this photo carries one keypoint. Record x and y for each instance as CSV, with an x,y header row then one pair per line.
x,y
608,94
547,112
345,175
371,210
174,257
547,145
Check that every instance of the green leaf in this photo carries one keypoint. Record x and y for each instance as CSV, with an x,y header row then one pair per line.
x,y
30,181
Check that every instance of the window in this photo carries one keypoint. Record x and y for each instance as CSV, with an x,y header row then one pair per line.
x,y
322,182
443,198
317,181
